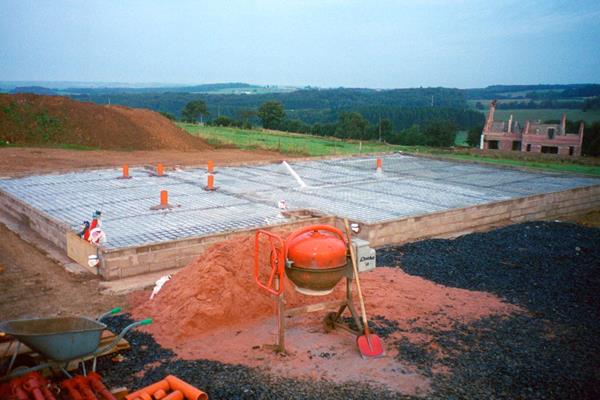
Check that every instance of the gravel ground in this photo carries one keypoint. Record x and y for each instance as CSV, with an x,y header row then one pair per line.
x,y
220,381
551,351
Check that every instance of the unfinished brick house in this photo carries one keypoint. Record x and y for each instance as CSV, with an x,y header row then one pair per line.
x,y
533,137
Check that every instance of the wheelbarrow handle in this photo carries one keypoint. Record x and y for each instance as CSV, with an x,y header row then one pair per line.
x,y
118,338
111,312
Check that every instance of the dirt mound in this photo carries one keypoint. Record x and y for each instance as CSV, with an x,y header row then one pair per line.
x,y
29,119
216,290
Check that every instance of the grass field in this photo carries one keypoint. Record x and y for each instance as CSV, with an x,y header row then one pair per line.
x,y
559,165
298,144
548,114
290,143
461,139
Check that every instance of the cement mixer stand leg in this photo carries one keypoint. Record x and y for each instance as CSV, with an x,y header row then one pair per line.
x,y
351,304
280,319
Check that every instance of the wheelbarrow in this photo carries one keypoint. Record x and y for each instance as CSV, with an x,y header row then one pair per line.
x,y
62,340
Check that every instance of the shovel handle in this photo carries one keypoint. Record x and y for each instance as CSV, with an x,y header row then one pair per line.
x,y
355,269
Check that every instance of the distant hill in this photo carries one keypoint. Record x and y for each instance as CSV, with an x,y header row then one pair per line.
x,y
534,91
63,88
28,119
33,90
310,105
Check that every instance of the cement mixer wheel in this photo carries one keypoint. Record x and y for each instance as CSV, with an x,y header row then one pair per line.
x,y
329,321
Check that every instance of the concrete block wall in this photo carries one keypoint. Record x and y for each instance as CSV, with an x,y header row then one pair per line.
x,y
479,217
48,228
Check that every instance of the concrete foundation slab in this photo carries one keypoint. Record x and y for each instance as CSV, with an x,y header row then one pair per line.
x,y
391,205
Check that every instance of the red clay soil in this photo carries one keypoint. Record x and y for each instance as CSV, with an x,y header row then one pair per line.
x,y
19,161
213,309
28,119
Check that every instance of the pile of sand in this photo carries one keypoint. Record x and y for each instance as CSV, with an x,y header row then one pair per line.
x,y
28,119
217,289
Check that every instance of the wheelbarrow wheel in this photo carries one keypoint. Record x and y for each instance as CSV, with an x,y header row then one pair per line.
x,y
329,321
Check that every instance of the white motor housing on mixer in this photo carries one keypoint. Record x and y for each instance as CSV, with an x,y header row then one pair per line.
x,y
365,255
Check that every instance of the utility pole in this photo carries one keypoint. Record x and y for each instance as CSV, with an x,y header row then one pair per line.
x,y
380,128
431,100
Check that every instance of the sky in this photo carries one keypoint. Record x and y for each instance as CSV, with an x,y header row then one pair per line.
x,y
325,43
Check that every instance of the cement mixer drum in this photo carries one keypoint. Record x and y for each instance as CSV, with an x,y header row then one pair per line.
x,y
316,259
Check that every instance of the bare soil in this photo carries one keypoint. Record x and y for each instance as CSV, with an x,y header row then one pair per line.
x,y
17,161
33,285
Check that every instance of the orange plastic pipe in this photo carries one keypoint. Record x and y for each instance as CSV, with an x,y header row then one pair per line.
x,y
37,385
379,163
145,396
125,171
190,392
33,384
210,167
164,198
70,386
159,394
211,182
176,395
159,169
17,390
47,392
84,388
95,381
164,385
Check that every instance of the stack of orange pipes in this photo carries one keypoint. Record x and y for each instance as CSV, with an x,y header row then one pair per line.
x,y
170,388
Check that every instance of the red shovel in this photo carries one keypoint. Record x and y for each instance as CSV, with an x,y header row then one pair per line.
x,y
369,345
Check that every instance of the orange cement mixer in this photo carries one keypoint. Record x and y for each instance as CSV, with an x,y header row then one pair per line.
x,y
314,259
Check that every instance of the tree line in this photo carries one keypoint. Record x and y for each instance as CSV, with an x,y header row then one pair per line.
x,y
349,125
307,101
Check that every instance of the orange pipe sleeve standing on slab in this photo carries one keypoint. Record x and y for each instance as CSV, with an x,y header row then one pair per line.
x,y
210,167
159,394
190,392
176,395
164,385
379,163
95,381
164,198
125,171
210,182
159,169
